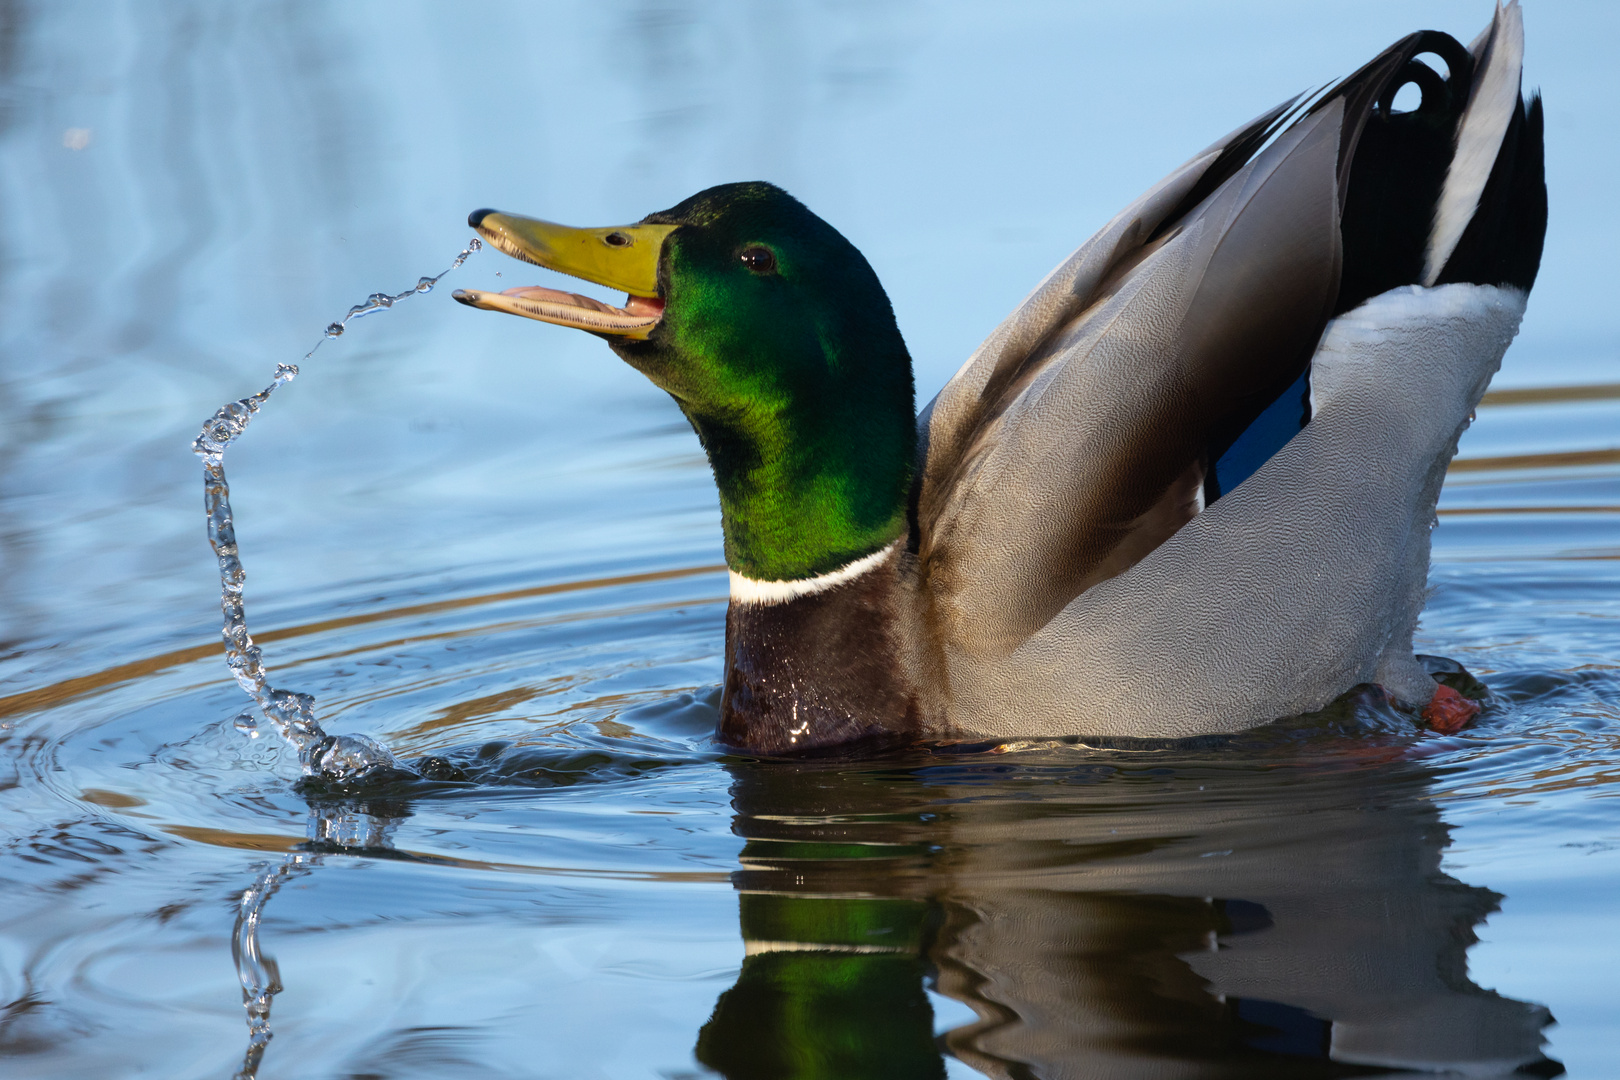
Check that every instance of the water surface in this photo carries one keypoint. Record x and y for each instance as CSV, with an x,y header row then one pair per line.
x,y
487,541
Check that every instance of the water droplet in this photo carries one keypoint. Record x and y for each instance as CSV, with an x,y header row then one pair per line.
x,y
334,329
247,722
374,303
426,284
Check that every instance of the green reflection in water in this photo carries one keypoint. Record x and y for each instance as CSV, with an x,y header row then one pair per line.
x,y
831,988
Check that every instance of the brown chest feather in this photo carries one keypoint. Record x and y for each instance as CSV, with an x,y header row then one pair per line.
x,y
818,671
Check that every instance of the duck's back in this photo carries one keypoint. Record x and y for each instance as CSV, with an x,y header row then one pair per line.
x,y
1092,552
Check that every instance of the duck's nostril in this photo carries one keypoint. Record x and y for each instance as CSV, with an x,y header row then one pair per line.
x,y
476,218
617,239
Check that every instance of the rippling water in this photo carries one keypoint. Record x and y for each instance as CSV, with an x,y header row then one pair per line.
x,y
486,542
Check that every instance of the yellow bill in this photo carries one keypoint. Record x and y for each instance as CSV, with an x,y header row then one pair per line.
x,y
625,257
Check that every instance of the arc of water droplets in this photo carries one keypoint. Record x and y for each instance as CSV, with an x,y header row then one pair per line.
x,y
343,757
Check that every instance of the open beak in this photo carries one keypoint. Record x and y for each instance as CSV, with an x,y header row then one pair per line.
x,y
620,258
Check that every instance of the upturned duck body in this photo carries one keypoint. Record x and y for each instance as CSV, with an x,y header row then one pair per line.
x,y
1185,488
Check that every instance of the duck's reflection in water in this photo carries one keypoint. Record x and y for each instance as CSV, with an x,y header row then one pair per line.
x,y
1201,920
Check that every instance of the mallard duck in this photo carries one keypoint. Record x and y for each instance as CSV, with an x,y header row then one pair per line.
x,y
1185,488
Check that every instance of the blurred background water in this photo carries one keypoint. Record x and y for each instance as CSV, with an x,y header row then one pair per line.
x,y
484,539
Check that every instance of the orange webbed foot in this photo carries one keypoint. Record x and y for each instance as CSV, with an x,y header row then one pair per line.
x,y
1448,712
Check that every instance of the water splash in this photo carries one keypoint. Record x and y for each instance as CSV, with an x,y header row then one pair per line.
x,y
344,758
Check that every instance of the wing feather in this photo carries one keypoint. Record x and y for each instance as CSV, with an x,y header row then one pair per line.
x,y
1088,433
960,407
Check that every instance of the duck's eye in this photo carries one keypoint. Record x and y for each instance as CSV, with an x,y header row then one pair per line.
x,y
758,259
616,239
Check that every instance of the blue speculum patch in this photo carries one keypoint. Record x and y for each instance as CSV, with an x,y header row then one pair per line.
x,y
1271,430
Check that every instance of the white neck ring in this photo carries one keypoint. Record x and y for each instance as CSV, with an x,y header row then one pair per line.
x,y
745,590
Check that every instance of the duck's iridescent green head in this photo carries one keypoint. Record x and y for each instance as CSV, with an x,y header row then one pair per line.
x,y
773,334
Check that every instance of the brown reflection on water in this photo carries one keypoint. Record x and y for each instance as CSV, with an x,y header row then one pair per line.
x,y
242,841
1491,511
1561,459
1549,395
68,689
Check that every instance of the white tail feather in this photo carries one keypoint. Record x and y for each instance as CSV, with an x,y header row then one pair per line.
x,y
1499,56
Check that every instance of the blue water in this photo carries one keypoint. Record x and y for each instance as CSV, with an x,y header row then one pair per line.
x,y
487,540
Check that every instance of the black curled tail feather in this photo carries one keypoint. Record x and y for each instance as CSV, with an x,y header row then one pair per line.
x,y
1393,164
